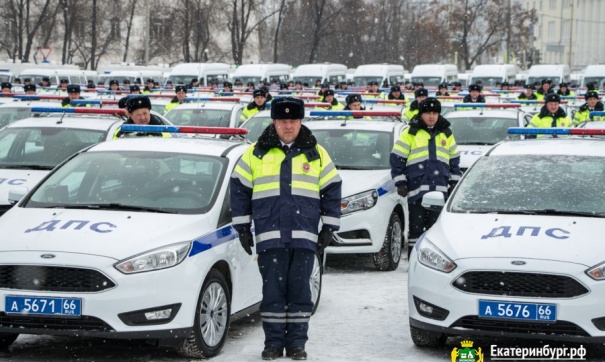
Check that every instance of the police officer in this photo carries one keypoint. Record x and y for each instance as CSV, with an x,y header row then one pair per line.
x,y
135,89
138,110
564,90
227,88
63,84
505,86
456,87
425,158
354,104
545,89
17,81
27,81
266,187
249,87
592,104
45,82
193,84
324,87
442,90
551,114
335,105
373,90
181,94
528,94
474,95
395,94
114,85
73,93
149,87
30,89
6,87
90,84
419,94
259,103
342,86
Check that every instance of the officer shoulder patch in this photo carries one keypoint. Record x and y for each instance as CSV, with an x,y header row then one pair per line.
x,y
306,167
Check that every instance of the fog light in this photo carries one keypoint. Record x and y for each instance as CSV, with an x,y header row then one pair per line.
x,y
429,310
158,314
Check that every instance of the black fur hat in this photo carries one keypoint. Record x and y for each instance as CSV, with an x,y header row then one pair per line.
x,y
287,108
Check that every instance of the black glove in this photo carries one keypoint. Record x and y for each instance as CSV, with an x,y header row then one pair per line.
x,y
245,238
324,239
65,102
402,190
451,188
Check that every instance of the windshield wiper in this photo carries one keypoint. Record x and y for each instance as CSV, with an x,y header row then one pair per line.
x,y
113,206
475,143
539,212
352,168
28,167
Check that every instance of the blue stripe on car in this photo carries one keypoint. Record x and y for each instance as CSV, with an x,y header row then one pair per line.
x,y
386,188
212,239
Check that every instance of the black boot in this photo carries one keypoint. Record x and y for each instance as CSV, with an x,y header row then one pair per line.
x,y
297,353
271,353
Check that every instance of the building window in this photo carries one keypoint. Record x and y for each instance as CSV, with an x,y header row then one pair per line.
x,y
566,27
540,4
551,30
160,29
553,5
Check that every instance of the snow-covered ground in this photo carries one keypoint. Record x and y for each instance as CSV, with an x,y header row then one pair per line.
x,y
363,316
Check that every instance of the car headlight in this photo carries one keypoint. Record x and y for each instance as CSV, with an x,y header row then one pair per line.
x,y
597,272
430,255
358,202
160,258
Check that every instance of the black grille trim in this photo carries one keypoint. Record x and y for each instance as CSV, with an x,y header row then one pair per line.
x,y
53,279
84,323
560,328
519,284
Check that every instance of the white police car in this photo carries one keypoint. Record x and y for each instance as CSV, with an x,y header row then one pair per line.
x,y
131,239
14,111
516,251
477,130
31,147
207,111
374,217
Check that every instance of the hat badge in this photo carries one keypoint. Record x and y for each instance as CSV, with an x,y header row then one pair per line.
x,y
287,110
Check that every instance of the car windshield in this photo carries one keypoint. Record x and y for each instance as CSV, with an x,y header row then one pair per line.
x,y
599,80
363,81
310,80
247,79
427,81
481,130
488,81
134,180
12,114
356,149
526,183
256,126
200,117
532,80
43,148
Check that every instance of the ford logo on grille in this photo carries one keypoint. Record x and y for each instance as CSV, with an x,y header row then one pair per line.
x,y
517,262
47,256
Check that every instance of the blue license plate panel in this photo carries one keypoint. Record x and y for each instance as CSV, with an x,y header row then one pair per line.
x,y
71,307
518,311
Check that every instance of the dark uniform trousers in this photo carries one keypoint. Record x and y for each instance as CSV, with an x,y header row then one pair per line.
x,y
421,219
287,305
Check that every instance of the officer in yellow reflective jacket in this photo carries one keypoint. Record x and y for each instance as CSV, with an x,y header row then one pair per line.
x,y
592,104
545,89
181,94
419,94
354,104
329,98
551,114
258,104
138,109
528,94
73,93
286,183
395,94
564,90
425,158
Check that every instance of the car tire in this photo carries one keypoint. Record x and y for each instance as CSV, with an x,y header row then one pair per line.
x,y
6,339
390,254
424,338
316,280
212,316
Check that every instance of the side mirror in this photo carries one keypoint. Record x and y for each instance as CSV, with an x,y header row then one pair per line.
x,y
433,201
16,194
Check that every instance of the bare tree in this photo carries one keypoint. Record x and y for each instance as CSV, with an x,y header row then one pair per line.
x,y
69,20
132,6
93,37
23,20
280,18
322,15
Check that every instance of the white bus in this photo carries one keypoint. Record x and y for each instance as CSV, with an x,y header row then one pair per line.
x,y
391,74
206,73
594,73
254,73
490,74
431,75
331,73
556,72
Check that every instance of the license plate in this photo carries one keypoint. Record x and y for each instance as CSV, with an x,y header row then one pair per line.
x,y
43,306
518,311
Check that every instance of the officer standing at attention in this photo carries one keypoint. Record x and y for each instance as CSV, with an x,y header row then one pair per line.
x,y
286,183
592,104
335,105
193,84
138,110
551,114
45,82
474,95
73,93
528,94
181,94
420,94
442,90
135,89
259,103
30,89
6,87
63,84
425,158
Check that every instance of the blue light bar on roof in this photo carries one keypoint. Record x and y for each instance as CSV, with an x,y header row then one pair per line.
x,y
52,110
597,113
529,101
470,105
182,129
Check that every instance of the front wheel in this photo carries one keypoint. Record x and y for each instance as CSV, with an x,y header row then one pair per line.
x,y
212,317
315,281
390,254
6,339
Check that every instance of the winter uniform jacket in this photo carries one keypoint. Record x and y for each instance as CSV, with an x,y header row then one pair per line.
x,y
540,93
522,97
173,103
285,195
468,99
425,159
153,121
251,109
545,120
567,93
411,111
583,114
335,105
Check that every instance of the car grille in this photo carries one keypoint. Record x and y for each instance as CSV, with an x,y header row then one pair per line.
x,y
491,325
84,323
519,284
53,279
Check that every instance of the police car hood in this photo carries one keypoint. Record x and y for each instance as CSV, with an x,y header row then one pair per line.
x,y
11,179
356,181
469,154
562,238
108,233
